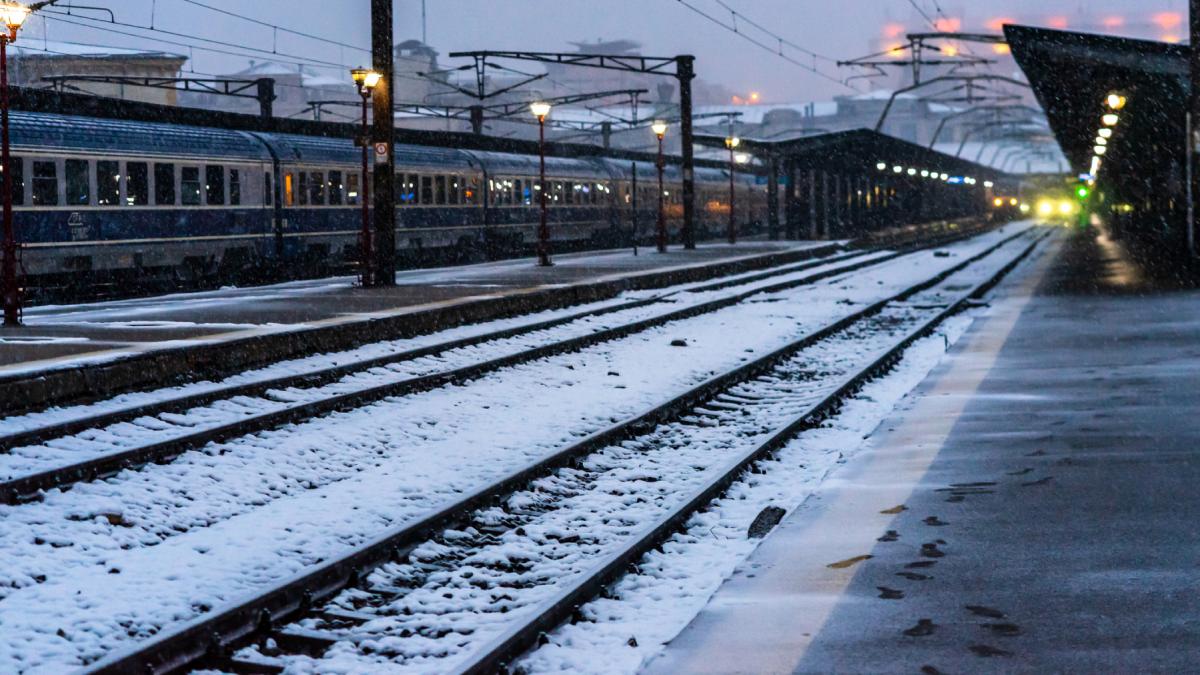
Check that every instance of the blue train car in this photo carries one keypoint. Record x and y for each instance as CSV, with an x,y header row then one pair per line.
x,y
111,201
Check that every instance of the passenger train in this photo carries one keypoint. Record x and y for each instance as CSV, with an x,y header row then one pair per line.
x,y
107,202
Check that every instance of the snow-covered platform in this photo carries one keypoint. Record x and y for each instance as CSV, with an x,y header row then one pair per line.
x,y
1031,508
327,313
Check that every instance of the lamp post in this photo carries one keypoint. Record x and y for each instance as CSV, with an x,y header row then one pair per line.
x,y
660,130
732,142
366,80
13,16
540,110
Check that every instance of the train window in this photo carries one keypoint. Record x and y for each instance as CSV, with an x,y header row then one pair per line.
x,y
108,183
79,191
336,188
352,187
189,185
268,194
45,183
455,189
439,183
520,187
426,189
137,183
559,192
411,180
235,187
164,184
471,191
302,189
289,189
316,188
18,180
214,185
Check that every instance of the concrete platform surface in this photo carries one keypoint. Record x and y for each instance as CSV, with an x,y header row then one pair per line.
x,y
65,335
1033,508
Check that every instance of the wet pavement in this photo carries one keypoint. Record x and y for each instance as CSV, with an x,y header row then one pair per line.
x,y
62,335
1033,509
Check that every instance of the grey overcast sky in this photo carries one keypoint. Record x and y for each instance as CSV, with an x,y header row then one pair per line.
x,y
834,28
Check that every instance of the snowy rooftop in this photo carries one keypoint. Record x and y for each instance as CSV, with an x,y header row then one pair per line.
x,y
53,49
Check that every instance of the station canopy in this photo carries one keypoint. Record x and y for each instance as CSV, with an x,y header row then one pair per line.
x,y
861,151
1072,75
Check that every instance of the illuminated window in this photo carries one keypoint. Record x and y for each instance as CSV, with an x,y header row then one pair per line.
x,y
289,190
352,187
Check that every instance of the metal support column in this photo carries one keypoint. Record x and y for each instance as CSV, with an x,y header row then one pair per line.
x,y
773,197
685,72
476,112
1193,226
383,131
266,98
790,210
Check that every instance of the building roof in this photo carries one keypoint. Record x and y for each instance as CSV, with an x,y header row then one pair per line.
x,y
50,49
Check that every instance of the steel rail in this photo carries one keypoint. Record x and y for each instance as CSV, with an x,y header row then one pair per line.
x,y
333,373
29,486
212,637
497,656
323,376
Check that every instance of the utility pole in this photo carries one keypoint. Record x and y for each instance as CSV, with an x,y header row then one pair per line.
x,y
1193,120
383,134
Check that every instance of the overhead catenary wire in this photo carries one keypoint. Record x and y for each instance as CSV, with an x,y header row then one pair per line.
x,y
774,35
764,46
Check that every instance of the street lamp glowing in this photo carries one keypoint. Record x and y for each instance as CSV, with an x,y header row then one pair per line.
x,y
1115,101
1105,133
659,128
13,15
365,78
881,166
1100,140
732,142
540,110
1100,150
1110,120
897,169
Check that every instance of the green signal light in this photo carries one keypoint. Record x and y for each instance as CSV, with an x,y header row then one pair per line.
x,y
1082,192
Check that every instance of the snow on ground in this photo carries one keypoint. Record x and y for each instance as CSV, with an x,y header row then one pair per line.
x,y
648,608
677,297
89,570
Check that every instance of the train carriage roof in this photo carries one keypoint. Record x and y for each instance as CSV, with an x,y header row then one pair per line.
x,y
318,149
35,130
672,173
507,164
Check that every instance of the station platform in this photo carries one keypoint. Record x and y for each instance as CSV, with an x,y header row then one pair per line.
x,y
1032,507
158,339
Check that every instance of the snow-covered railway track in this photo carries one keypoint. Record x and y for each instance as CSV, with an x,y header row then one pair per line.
x,y
522,566
88,448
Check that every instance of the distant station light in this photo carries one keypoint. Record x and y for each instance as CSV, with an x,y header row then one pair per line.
x,y
882,166
898,169
1110,119
1115,101
1105,133
1100,150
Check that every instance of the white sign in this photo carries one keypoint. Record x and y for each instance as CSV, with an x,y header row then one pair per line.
x,y
381,153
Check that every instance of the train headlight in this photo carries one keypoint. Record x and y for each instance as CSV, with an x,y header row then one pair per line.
x,y
1045,208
